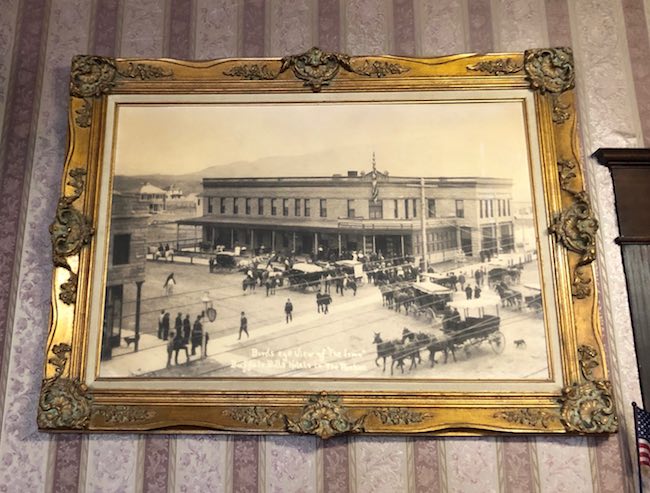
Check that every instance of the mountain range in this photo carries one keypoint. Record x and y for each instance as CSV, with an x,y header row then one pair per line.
x,y
316,164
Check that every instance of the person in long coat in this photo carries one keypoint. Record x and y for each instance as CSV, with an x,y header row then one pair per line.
x,y
165,326
197,334
187,328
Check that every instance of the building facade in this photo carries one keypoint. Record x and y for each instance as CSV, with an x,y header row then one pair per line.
x,y
373,212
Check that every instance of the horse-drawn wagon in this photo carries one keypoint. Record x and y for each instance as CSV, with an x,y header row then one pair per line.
x,y
469,323
428,300
303,276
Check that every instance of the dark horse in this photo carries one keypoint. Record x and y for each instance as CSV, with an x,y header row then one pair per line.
x,y
384,349
248,283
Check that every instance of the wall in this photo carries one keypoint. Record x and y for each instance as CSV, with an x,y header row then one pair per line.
x,y
37,40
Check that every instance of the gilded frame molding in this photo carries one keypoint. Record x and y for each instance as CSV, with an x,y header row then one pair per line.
x,y
585,404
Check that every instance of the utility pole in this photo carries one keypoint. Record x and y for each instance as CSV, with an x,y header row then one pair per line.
x,y
423,222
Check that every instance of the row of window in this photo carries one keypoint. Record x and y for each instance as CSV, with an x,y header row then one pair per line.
x,y
300,206
500,206
303,207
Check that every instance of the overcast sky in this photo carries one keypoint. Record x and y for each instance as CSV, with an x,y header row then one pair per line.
x,y
435,139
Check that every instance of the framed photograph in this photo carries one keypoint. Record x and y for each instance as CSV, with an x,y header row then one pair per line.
x,y
325,244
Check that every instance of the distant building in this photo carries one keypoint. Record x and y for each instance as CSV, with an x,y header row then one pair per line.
x,y
372,212
153,197
174,193
126,265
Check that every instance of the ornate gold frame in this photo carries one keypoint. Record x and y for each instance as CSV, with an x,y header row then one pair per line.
x,y
585,404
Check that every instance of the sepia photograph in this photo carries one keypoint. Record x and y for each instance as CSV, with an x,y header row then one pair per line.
x,y
350,239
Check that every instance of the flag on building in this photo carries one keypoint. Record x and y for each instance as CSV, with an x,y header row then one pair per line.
x,y
375,189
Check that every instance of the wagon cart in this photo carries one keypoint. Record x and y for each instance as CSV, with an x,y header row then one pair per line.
x,y
429,300
476,321
303,276
533,298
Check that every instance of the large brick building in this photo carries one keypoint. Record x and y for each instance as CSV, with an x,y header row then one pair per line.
x,y
373,212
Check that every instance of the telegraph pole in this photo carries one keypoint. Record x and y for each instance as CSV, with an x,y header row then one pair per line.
x,y
423,223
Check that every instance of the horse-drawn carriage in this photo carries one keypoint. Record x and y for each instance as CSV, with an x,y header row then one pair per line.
x,y
428,300
469,323
533,298
465,325
506,275
303,276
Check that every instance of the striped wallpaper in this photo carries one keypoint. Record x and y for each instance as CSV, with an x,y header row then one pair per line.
x,y
38,39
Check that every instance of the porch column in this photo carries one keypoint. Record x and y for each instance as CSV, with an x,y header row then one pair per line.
x,y
138,296
363,241
252,242
316,244
273,240
374,244
294,242
178,227
339,243
232,238
195,238
401,239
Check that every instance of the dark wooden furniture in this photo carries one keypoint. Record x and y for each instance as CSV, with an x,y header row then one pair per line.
x,y
630,170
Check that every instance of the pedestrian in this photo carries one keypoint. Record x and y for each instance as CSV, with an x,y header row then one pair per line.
x,y
477,276
204,347
269,285
288,310
170,350
170,282
165,326
197,334
178,344
461,280
319,302
453,279
468,292
326,303
477,292
187,328
328,282
243,325
160,324
178,324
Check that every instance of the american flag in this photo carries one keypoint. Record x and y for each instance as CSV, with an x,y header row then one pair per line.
x,y
642,419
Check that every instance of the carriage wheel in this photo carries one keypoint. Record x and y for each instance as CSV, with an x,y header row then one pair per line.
x,y
413,311
537,308
497,342
430,315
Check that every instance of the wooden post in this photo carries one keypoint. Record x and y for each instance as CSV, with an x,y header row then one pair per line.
x,y
138,296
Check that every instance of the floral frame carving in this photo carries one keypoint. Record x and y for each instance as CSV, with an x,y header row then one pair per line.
x,y
68,404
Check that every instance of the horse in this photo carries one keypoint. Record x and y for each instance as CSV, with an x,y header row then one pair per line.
x,y
438,345
323,301
387,295
509,297
403,298
384,349
248,283
409,350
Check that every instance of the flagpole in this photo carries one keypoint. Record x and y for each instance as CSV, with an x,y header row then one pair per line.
x,y
638,457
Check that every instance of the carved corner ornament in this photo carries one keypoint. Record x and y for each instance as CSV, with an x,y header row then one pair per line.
x,y
575,227
316,68
589,407
588,359
64,403
70,232
550,71
93,76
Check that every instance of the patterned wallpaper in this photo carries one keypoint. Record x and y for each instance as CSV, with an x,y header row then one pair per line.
x,y
38,39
